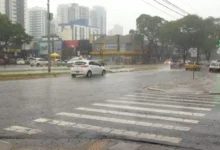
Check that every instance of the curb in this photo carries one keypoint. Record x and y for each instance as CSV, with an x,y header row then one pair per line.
x,y
5,145
155,89
214,93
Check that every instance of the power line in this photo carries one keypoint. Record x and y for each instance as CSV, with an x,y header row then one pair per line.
x,y
168,2
169,8
158,9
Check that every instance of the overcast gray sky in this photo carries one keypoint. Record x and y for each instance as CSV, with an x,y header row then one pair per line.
x,y
125,12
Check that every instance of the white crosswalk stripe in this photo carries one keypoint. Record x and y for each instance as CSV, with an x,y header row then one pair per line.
x,y
123,121
151,110
174,99
161,105
24,130
203,97
149,117
139,115
114,131
166,101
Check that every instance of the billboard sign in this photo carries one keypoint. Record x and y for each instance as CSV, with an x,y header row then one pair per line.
x,y
43,47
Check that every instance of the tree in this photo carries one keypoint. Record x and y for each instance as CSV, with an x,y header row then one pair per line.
x,y
132,31
12,33
149,27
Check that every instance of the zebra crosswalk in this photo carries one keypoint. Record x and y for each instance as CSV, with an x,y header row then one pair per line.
x,y
145,116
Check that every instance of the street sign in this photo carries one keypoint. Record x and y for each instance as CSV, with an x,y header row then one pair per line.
x,y
193,52
218,43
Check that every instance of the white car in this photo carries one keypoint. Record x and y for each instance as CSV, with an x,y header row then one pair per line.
x,y
38,62
73,60
20,62
88,68
214,67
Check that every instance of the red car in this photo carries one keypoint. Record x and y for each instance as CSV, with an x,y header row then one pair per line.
x,y
2,61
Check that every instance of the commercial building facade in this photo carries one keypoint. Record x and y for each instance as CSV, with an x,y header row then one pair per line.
x,y
106,48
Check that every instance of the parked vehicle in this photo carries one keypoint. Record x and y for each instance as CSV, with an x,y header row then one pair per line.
x,y
168,61
73,60
28,60
2,62
12,61
214,67
88,68
20,62
176,64
101,62
192,66
58,62
38,62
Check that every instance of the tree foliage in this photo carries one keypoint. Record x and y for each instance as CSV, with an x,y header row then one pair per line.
x,y
12,34
189,31
149,27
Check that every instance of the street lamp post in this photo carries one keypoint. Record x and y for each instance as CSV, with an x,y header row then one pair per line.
x,y
48,21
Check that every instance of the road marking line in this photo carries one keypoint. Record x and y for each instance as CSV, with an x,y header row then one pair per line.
x,y
172,99
139,115
21,129
126,133
176,96
121,121
151,110
160,105
164,101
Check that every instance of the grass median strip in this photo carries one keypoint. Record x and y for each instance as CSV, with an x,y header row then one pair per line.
x,y
29,75
26,70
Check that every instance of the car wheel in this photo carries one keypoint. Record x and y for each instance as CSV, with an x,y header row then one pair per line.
x,y
186,69
38,65
89,74
32,65
210,70
73,75
103,73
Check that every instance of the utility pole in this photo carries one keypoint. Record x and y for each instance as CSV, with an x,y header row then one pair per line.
x,y
53,43
48,19
118,48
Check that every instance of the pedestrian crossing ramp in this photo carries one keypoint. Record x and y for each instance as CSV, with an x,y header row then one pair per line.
x,y
143,116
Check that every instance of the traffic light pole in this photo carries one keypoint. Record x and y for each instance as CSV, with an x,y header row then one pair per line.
x,y
118,49
48,19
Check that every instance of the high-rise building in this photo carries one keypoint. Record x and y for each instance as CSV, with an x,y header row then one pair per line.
x,y
37,22
16,10
67,13
73,12
117,30
98,18
2,6
84,12
62,14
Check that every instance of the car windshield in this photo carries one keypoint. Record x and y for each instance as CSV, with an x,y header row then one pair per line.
x,y
190,63
80,63
214,64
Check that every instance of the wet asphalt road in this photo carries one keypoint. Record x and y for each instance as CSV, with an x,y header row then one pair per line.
x,y
43,106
